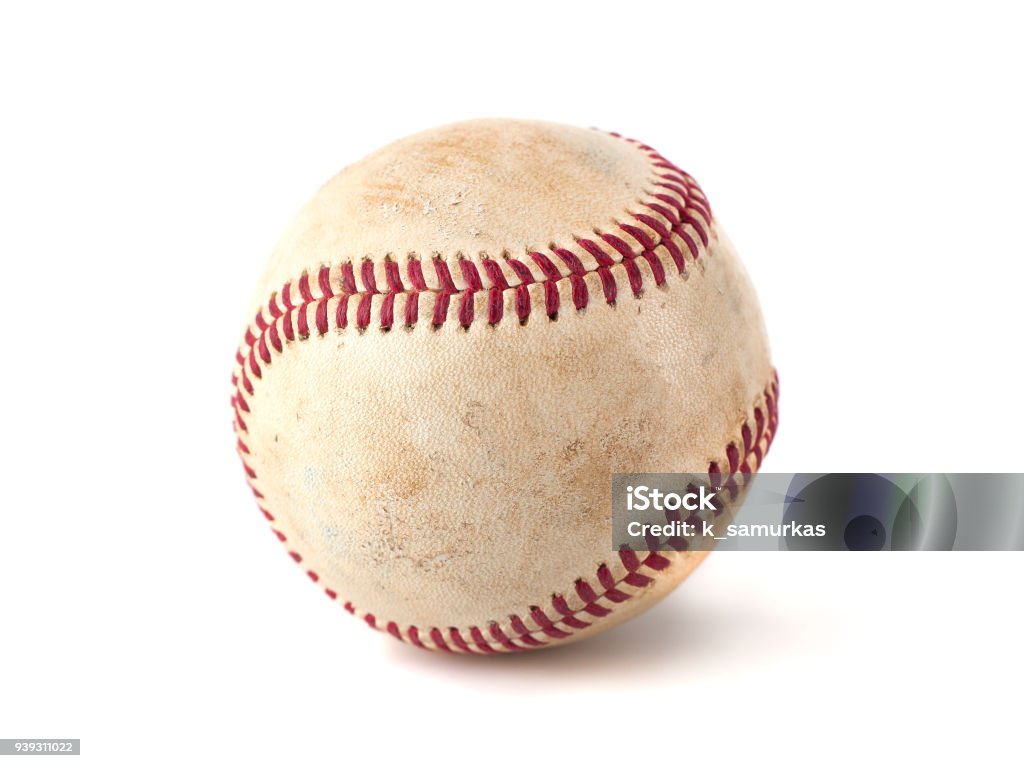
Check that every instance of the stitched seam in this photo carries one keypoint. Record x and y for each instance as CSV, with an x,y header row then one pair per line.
x,y
560,621
672,227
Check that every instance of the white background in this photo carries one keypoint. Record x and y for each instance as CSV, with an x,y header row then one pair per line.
x,y
867,163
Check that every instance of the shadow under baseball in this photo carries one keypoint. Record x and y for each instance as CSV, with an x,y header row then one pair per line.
x,y
688,635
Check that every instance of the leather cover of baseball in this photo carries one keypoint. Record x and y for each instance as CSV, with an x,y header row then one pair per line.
x,y
456,344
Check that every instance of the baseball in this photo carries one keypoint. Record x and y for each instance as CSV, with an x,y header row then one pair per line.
x,y
454,346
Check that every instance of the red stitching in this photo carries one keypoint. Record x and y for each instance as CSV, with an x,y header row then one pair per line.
x,y
470,275
677,214
680,206
387,312
494,274
394,277
416,275
600,597
522,303
495,306
444,276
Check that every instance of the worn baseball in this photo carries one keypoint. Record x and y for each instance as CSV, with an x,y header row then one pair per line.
x,y
456,344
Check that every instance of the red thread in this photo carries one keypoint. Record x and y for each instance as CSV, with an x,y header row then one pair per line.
x,y
307,295
666,239
394,277
440,309
522,271
253,366
444,277
480,641
608,285
499,634
363,311
685,237
568,616
636,280
321,317
457,640
414,638
586,592
387,311
580,297
549,270
637,580
523,634
324,280
598,611
602,258
656,269
734,458
629,559
341,314
495,275
641,237
369,280
656,562
571,261
416,275
607,580
696,204
275,338
470,275
348,278
412,309
495,306
551,299
466,309
546,625
439,643
619,245
670,213
698,226
522,303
